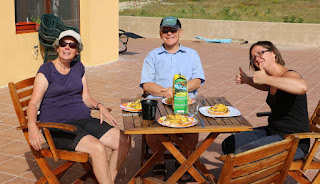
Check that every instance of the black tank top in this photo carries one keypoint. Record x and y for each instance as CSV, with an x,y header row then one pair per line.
x,y
289,114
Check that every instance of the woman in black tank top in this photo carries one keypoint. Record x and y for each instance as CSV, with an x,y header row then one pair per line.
x,y
286,99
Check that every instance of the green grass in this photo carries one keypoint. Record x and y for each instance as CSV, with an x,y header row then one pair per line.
x,y
297,11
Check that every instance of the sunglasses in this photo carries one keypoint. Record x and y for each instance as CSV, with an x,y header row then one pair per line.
x,y
167,30
72,45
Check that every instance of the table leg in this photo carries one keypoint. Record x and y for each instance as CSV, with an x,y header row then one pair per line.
x,y
186,164
192,159
179,156
144,169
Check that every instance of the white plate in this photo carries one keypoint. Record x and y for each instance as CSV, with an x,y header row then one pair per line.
x,y
125,107
233,112
164,100
162,122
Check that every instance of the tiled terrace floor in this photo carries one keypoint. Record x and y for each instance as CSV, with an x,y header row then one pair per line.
x,y
110,82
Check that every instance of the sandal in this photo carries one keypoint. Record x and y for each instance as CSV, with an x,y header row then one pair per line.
x,y
159,171
186,176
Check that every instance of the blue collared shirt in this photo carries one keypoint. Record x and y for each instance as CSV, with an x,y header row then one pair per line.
x,y
160,66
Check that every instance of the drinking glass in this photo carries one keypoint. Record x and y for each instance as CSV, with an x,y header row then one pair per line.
x,y
193,108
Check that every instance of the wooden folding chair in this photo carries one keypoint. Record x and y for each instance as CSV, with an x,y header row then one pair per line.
x,y
266,164
300,167
21,93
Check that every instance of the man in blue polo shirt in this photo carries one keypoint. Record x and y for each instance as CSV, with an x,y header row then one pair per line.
x,y
158,70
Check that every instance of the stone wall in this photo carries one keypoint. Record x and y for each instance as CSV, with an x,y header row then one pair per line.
x,y
278,33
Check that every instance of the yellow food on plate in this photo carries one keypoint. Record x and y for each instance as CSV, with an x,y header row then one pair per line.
x,y
135,105
177,120
219,109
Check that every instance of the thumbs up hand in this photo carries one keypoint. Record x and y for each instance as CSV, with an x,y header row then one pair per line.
x,y
260,77
241,77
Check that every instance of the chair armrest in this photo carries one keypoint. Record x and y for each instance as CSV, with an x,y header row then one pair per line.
x,y
260,114
307,135
51,125
45,126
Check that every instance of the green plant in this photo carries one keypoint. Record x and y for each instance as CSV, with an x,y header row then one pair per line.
x,y
268,11
300,20
35,19
292,19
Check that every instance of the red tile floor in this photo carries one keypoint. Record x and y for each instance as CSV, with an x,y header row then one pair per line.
x,y
112,81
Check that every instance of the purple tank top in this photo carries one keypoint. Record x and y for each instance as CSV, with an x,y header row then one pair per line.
x,y
62,102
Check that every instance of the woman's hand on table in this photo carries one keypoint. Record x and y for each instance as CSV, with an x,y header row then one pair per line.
x,y
104,112
35,136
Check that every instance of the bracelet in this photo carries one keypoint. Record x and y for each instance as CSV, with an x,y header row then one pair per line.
x,y
96,107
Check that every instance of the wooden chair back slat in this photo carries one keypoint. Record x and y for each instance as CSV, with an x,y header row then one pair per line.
x,y
269,179
16,100
254,155
259,165
272,172
25,112
266,164
24,103
24,83
24,94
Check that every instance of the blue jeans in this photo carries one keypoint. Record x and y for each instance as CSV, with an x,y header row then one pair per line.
x,y
244,141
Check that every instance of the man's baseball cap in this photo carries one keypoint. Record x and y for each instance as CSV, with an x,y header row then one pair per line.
x,y
170,22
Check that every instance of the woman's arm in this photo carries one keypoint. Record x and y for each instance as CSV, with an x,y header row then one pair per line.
x,y
40,87
91,103
290,81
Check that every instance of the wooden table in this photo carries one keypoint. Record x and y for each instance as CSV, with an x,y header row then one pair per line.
x,y
133,125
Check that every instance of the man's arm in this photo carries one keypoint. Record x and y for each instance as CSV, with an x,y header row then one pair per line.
x,y
156,90
194,84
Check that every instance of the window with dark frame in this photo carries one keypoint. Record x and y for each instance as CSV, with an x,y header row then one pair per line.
x,y
28,13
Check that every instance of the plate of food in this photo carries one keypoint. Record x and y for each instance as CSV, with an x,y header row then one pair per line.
x,y
219,110
168,101
177,121
132,106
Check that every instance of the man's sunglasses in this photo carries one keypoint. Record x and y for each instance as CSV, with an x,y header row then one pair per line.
x,y
167,30
72,45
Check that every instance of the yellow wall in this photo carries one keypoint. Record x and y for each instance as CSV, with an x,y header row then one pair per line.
x,y
99,24
99,32
16,61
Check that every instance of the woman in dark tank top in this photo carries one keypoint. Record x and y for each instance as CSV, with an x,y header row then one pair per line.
x,y
286,99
